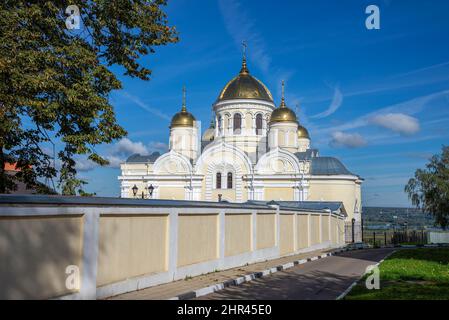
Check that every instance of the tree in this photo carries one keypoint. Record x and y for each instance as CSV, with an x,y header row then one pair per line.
x,y
429,189
55,82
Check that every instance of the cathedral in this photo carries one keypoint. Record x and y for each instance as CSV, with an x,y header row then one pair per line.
x,y
252,151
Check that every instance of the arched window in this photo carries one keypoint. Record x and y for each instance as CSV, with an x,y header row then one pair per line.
x,y
259,124
229,180
218,180
237,123
219,123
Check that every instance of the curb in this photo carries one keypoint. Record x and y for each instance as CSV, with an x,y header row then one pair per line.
x,y
252,276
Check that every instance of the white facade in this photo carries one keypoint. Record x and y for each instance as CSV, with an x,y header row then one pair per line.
x,y
242,157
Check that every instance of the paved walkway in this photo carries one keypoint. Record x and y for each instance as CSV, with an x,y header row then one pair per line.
x,y
323,279
176,288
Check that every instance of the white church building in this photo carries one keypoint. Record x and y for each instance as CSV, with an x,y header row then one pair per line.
x,y
252,151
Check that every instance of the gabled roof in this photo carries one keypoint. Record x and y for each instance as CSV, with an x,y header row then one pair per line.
x,y
137,158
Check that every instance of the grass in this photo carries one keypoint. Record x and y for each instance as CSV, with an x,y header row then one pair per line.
x,y
410,274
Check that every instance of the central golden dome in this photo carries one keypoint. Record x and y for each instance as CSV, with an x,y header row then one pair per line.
x,y
245,86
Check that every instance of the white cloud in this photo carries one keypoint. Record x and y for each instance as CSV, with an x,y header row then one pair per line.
x,y
120,151
158,146
350,140
126,147
337,100
397,122
84,165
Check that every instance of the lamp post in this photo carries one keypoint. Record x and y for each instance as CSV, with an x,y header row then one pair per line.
x,y
134,189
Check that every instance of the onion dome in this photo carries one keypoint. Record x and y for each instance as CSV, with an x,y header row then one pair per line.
x,y
245,86
183,118
209,134
303,133
283,113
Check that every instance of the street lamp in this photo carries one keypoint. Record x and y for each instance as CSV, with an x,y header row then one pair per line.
x,y
150,190
134,189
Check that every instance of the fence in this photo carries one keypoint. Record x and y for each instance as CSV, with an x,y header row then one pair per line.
x,y
49,245
394,237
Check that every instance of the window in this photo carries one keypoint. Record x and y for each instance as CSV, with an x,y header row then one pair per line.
x,y
219,123
237,123
259,124
229,180
218,180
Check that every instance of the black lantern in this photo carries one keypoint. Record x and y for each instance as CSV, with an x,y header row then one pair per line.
x,y
134,189
150,190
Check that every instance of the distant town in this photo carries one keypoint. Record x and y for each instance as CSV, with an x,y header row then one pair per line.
x,y
385,218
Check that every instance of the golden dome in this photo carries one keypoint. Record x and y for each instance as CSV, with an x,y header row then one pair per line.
x,y
283,113
303,133
245,86
183,118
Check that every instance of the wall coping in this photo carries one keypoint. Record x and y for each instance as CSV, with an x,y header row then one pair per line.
x,y
58,200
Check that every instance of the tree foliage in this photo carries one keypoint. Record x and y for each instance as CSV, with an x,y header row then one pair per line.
x,y
429,189
55,82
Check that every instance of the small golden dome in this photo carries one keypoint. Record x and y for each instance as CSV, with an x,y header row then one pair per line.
x,y
245,86
183,118
283,113
303,133
209,134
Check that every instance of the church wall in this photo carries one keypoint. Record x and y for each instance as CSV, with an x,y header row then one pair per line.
x,y
197,238
287,229
238,234
266,228
145,235
227,194
335,190
279,193
172,193
302,229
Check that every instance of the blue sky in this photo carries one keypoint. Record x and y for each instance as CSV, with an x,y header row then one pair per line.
x,y
376,99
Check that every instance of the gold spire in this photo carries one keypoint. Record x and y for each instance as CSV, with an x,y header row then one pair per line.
x,y
283,95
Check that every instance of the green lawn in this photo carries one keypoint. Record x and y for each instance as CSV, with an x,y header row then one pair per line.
x,y
416,274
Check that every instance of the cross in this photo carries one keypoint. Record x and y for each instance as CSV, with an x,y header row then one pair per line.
x,y
244,45
283,89
183,97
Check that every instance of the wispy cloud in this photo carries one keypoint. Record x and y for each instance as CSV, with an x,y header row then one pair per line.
x,y
144,106
409,107
241,27
337,100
